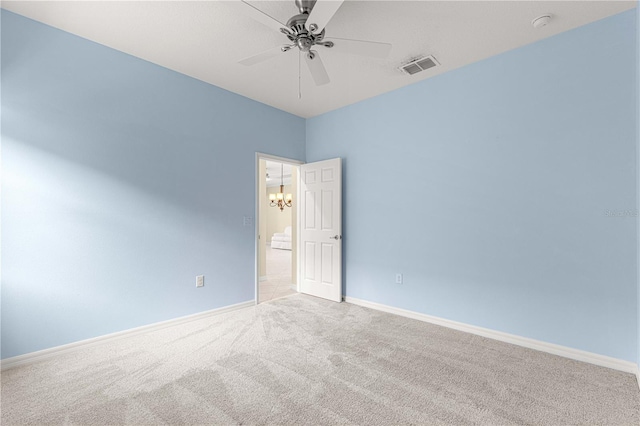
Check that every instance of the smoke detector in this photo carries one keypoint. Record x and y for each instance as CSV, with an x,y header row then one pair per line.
x,y
541,21
420,64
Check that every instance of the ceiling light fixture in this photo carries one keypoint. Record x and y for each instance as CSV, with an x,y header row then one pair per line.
x,y
279,199
305,32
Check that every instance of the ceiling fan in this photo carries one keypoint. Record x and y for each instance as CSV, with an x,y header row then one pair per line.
x,y
307,30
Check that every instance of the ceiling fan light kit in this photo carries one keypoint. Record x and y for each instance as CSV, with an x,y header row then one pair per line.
x,y
307,30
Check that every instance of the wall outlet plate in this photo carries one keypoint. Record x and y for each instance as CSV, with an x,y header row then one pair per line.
x,y
200,281
398,278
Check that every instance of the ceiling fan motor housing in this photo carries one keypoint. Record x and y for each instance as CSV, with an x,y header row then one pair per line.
x,y
299,34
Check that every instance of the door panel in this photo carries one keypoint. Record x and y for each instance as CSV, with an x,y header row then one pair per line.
x,y
321,233
327,264
309,257
327,210
309,210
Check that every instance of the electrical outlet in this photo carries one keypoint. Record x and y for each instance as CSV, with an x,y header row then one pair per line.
x,y
247,221
200,281
398,278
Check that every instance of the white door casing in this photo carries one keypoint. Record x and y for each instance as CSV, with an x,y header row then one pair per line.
x,y
260,229
320,208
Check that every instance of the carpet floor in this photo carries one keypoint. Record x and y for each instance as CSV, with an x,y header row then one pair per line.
x,y
301,360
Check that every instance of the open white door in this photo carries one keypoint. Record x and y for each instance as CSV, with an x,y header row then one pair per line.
x,y
320,231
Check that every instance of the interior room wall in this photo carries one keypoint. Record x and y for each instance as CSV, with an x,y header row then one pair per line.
x,y
506,183
277,220
509,165
111,194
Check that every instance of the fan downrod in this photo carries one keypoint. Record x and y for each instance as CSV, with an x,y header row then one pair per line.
x,y
305,6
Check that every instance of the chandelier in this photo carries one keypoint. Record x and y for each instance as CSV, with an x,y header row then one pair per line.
x,y
279,199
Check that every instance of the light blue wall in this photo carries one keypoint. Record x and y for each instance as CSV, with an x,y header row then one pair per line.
x,y
111,171
121,181
488,186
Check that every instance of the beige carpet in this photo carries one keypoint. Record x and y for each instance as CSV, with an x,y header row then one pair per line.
x,y
301,360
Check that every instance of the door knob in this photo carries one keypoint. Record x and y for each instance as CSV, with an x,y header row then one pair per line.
x,y
336,237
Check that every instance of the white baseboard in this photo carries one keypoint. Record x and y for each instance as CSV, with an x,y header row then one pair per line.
x,y
46,354
638,375
564,351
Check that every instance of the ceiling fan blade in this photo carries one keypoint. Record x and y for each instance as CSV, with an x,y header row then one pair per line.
x,y
322,13
318,72
361,47
262,17
262,56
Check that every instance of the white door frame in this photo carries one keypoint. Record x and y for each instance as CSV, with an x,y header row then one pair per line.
x,y
295,163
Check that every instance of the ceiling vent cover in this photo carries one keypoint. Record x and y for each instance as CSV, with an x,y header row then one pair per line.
x,y
419,64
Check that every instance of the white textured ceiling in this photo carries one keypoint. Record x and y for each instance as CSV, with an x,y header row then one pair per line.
x,y
206,39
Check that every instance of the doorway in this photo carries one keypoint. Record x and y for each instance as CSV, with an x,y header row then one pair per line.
x,y
277,225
